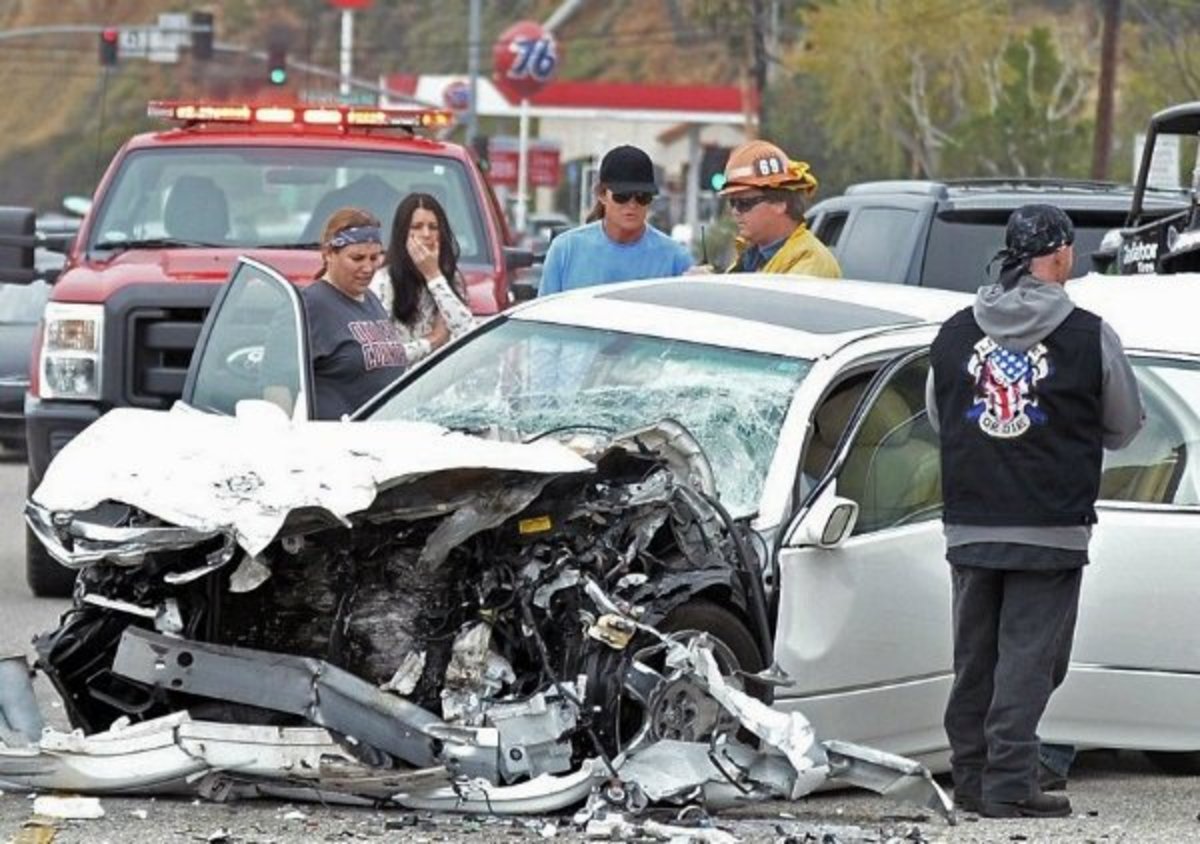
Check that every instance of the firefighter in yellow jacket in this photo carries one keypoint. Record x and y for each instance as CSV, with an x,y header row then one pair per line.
x,y
766,192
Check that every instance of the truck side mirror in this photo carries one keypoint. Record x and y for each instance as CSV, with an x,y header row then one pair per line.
x,y
517,259
17,239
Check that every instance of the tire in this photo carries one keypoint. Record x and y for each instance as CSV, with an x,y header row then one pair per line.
x,y
706,617
1186,764
45,576
682,710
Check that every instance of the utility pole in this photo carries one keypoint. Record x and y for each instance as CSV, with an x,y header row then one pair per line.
x,y
1102,141
473,36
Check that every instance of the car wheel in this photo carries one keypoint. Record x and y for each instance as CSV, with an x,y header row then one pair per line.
x,y
680,709
46,577
722,625
1179,764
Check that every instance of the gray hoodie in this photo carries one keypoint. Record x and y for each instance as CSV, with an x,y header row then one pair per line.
x,y
1017,319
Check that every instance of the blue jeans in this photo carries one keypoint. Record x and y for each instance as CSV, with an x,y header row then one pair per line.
x,y
1057,757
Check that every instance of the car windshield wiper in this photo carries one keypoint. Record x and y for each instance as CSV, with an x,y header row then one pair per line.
x,y
156,243
570,426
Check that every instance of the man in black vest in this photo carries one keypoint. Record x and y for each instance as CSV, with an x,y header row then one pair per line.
x,y
1026,391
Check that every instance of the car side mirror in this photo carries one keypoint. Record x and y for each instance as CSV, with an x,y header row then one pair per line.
x,y
827,523
517,259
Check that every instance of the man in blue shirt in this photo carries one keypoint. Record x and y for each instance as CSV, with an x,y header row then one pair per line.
x,y
619,246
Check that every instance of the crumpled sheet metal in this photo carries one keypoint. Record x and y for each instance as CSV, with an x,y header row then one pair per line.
x,y
174,755
247,473
887,774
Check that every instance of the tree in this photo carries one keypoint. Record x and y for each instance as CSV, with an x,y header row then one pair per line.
x,y
1034,121
896,79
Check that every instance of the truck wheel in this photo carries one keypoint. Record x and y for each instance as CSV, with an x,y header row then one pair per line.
x,y
45,576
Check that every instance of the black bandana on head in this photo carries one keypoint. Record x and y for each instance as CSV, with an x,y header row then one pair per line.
x,y
1032,231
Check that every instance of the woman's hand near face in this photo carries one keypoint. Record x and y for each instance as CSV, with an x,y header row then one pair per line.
x,y
424,257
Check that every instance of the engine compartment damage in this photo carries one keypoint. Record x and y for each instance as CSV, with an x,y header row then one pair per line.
x,y
478,632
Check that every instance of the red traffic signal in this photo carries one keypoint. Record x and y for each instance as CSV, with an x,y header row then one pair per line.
x,y
109,46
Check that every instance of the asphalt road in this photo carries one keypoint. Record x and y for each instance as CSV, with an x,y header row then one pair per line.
x,y
1117,797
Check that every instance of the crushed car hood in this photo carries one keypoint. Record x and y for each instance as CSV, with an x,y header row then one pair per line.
x,y
247,474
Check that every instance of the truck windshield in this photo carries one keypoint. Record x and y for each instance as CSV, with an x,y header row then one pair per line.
x,y
273,196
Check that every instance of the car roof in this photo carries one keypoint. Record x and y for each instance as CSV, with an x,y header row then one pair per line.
x,y
984,194
779,314
1150,313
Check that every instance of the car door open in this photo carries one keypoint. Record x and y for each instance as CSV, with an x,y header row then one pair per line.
x,y
254,345
864,622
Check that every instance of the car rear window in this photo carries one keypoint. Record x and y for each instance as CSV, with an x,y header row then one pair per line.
x,y
958,251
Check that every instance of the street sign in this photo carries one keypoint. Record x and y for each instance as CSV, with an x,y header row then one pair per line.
x,y
525,59
158,43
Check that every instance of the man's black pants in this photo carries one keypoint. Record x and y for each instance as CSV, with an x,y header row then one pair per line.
x,y
1012,646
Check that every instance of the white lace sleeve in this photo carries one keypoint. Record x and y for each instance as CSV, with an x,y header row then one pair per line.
x,y
415,350
456,314
381,286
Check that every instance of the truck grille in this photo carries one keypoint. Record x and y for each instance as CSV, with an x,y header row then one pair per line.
x,y
161,341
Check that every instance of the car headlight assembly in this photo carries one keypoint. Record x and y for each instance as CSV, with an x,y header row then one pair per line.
x,y
69,367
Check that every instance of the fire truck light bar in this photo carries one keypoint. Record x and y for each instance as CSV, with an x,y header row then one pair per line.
x,y
327,115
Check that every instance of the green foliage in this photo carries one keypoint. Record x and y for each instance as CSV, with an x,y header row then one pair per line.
x,y
1034,121
930,89
897,78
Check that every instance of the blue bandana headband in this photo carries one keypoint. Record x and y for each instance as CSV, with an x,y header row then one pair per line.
x,y
356,234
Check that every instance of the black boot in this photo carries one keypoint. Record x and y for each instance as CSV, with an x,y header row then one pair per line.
x,y
1040,805
968,801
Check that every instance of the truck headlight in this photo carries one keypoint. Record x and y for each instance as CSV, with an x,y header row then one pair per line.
x,y
69,367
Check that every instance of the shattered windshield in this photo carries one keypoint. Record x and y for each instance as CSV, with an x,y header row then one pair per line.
x,y
536,379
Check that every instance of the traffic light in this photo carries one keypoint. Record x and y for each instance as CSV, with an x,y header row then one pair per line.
x,y
712,167
202,42
109,48
277,64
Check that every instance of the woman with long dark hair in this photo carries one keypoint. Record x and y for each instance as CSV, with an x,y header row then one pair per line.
x,y
419,284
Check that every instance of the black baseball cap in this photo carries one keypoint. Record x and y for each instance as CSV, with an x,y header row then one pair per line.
x,y
626,169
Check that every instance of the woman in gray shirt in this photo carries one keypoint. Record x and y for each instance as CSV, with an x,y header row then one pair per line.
x,y
355,349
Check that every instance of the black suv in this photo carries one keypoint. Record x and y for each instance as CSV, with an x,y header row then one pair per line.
x,y
943,234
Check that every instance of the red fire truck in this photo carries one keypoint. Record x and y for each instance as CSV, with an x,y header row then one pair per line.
x,y
174,210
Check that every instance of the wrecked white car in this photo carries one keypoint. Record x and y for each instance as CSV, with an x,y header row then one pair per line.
x,y
507,559
536,571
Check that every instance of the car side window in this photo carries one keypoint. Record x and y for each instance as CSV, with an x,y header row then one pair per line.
x,y
892,469
1157,467
251,346
829,231
881,239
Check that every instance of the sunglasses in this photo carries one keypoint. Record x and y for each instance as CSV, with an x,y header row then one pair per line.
x,y
622,198
742,204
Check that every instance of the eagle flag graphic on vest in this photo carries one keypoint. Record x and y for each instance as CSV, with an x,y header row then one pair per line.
x,y
1006,400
